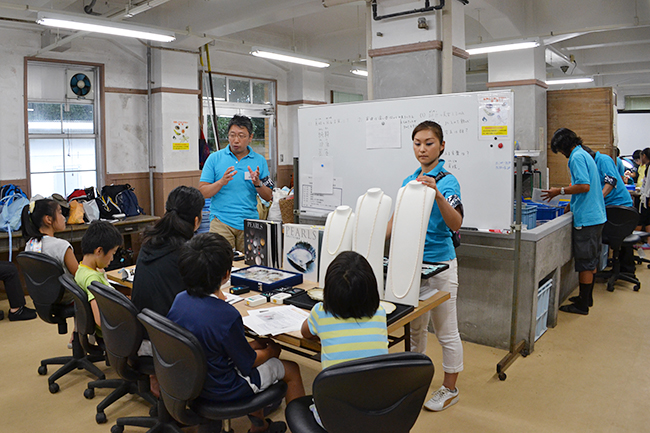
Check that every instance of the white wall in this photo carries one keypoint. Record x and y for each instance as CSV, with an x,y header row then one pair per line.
x,y
633,132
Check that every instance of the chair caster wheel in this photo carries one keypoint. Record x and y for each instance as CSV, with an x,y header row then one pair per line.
x,y
610,287
502,376
89,393
54,388
637,287
100,418
42,370
117,429
153,412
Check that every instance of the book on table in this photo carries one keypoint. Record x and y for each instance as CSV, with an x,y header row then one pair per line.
x,y
302,248
262,243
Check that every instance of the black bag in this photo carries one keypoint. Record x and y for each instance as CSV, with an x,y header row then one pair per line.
x,y
124,197
107,208
455,235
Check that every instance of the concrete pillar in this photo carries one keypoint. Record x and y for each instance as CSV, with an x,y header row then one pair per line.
x,y
524,72
410,57
305,86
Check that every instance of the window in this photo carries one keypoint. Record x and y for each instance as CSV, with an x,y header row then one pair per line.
x,y
345,97
62,130
250,97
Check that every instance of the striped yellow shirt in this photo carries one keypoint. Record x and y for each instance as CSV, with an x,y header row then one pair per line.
x,y
347,339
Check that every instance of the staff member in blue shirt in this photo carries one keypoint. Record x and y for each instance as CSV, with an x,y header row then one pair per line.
x,y
589,216
614,191
232,178
446,215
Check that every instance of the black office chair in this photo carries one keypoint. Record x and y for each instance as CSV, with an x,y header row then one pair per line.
x,y
181,368
42,274
122,334
617,233
382,393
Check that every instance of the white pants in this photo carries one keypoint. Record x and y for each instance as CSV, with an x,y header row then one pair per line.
x,y
443,320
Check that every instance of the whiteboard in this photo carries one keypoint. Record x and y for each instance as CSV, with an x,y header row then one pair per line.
x,y
633,132
345,149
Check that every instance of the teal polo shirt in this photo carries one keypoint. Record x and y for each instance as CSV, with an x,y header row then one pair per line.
x,y
588,207
619,196
237,200
438,246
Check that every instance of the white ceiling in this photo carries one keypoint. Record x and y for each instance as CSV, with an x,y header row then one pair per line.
x,y
607,39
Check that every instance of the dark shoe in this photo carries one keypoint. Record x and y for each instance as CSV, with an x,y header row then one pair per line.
x,y
573,308
23,313
273,426
2,315
575,299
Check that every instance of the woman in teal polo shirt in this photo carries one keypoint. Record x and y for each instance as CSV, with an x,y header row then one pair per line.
x,y
446,216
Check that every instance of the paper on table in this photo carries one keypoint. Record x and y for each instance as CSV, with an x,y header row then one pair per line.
x,y
323,175
275,320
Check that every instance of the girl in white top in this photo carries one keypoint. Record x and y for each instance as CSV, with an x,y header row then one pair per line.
x,y
40,220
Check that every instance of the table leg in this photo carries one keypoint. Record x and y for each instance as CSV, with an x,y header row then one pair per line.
x,y
407,337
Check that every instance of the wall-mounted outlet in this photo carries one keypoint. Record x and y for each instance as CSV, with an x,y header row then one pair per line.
x,y
281,158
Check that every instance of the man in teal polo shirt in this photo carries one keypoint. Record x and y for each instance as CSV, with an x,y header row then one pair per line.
x,y
588,207
232,178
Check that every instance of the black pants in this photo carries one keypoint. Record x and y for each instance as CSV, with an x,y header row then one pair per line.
x,y
9,274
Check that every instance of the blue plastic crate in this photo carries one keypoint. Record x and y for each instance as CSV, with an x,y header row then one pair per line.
x,y
528,216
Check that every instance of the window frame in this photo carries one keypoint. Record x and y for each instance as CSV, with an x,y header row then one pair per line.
x,y
99,118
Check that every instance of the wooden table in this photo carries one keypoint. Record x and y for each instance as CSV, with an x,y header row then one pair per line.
x,y
74,233
294,342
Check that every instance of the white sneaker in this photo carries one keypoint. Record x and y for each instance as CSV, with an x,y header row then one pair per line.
x,y
442,399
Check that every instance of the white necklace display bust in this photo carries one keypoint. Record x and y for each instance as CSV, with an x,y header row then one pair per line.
x,y
337,238
410,221
372,215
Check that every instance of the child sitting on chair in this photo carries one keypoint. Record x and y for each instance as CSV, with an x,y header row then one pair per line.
x,y
350,321
98,245
237,369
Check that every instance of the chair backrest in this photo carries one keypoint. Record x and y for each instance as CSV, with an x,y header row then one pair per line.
x,y
380,393
621,221
42,280
121,330
179,362
85,321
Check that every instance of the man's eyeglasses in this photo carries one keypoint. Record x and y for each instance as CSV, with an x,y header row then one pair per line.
x,y
241,136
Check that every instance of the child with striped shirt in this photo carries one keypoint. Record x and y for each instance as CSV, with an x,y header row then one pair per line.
x,y
350,322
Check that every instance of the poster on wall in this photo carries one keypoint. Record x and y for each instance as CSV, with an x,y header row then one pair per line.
x,y
181,135
493,112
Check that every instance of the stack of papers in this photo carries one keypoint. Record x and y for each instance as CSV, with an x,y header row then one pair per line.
x,y
275,320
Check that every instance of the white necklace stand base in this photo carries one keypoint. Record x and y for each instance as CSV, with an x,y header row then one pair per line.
x,y
372,215
410,222
336,238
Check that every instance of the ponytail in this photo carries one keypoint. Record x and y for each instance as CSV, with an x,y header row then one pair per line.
x,y
32,217
176,227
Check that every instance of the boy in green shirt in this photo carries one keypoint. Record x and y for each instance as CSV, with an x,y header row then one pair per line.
x,y
98,245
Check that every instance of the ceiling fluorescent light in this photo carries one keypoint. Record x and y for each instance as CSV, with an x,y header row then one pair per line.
x,y
267,53
82,23
575,80
361,72
502,47
145,6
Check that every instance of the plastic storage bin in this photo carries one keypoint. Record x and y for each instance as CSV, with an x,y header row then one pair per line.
x,y
543,297
528,215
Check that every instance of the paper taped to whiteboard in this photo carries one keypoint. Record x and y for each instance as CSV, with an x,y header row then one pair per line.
x,y
383,134
326,202
323,175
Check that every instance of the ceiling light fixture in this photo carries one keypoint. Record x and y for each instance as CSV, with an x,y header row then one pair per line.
x,y
142,7
95,25
272,54
575,80
502,47
361,72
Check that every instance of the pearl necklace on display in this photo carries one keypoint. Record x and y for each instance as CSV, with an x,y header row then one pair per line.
x,y
372,230
418,269
327,239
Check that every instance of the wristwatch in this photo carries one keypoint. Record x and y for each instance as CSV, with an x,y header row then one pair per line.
x,y
562,191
